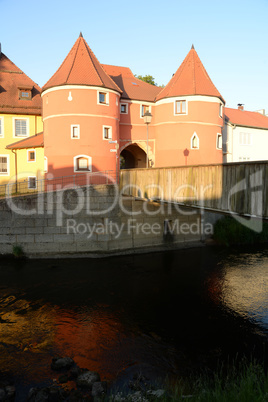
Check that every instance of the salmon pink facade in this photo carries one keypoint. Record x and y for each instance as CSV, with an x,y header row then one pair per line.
x,y
93,117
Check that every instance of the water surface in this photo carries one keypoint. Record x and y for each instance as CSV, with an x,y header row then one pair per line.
x,y
167,313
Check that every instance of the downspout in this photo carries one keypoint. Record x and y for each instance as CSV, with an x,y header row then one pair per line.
x,y
16,168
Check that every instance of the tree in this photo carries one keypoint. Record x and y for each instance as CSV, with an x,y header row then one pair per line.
x,y
147,78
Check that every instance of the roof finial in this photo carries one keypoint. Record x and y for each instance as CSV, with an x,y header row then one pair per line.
x,y
192,46
80,36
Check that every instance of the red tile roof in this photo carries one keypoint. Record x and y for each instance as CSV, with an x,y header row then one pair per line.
x,y
191,78
11,79
132,87
35,141
81,67
245,118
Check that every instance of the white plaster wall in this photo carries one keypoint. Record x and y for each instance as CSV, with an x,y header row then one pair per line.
x,y
257,150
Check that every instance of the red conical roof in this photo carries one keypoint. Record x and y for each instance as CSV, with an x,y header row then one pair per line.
x,y
81,67
191,78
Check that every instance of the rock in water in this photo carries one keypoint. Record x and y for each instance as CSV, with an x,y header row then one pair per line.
x,y
87,379
59,363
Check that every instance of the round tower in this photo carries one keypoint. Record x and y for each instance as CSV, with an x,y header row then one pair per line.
x,y
80,115
189,117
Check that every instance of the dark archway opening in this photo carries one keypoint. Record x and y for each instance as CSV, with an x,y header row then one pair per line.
x,y
132,157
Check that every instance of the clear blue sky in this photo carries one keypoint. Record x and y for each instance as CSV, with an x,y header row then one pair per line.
x,y
150,37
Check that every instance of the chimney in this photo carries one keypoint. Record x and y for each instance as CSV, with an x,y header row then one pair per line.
x,y
240,106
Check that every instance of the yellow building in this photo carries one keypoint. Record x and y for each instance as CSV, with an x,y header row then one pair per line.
x,y
20,118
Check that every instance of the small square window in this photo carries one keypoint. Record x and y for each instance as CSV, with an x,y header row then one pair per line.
x,y
123,108
25,94
144,109
31,156
75,131
107,133
102,97
180,107
32,182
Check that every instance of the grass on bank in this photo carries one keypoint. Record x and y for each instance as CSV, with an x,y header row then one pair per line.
x,y
246,382
228,231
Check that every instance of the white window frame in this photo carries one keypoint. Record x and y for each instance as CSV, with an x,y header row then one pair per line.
x,y
242,141
45,164
28,155
175,107
14,127
221,110
144,104
72,131
35,187
89,158
110,133
8,166
106,103
2,127
194,135
126,105
217,141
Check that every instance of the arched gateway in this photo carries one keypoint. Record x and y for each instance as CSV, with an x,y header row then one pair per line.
x,y
133,156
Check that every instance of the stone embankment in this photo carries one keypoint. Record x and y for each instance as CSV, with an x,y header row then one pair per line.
x,y
93,221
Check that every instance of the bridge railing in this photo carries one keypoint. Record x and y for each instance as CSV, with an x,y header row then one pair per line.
x,y
241,188
33,185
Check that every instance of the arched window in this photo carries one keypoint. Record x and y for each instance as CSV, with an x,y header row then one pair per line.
x,y
82,163
194,141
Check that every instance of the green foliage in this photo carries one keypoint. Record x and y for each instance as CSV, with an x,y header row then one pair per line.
x,y
228,231
147,78
17,251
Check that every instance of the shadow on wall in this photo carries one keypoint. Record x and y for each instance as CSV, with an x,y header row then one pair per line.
x,y
240,188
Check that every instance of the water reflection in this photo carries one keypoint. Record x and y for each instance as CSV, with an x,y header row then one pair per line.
x,y
165,313
244,287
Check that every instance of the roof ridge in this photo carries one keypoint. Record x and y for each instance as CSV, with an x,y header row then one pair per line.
x,y
181,67
73,60
193,61
87,47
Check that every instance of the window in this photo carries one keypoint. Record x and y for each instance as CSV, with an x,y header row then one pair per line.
x,y
45,164
1,127
244,138
31,155
25,95
32,182
75,131
82,163
123,108
103,98
107,132
219,141
4,165
194,141
180,107
221,110
21,127
144,109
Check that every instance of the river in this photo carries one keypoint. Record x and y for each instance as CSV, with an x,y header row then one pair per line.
x,y
169,313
